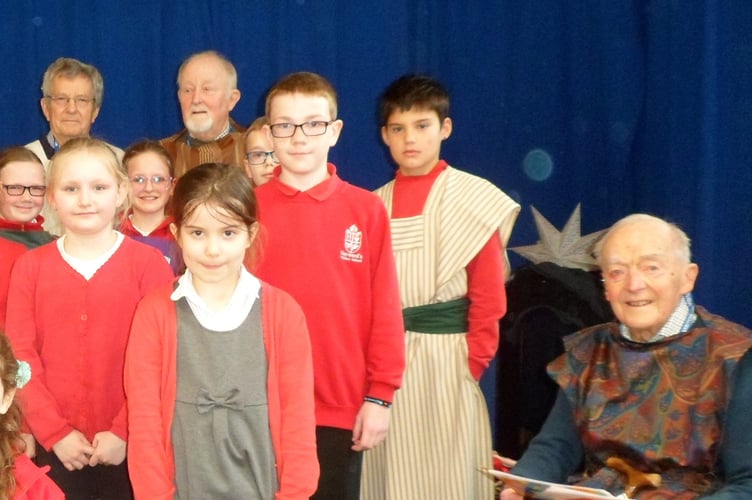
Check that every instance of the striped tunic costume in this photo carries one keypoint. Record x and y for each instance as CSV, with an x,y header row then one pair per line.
x,y
439,435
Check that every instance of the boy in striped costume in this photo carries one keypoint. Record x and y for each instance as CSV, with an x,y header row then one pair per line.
x,y
449,231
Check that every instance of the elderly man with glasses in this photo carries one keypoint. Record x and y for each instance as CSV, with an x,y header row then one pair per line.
x,y
656,405
72,93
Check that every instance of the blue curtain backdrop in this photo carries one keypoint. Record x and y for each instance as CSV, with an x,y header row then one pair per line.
x,y
622,106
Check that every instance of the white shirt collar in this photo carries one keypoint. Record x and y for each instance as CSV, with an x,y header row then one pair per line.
x,y
237,309
680,321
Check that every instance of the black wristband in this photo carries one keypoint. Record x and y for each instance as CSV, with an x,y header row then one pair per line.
x,y
380,402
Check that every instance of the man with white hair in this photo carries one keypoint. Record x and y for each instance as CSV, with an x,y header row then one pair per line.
x,y
656,404
207,92
72,94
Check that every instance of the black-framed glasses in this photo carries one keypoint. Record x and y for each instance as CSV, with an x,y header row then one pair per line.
x,y
62,101
18,190
312,128
158,181
259,157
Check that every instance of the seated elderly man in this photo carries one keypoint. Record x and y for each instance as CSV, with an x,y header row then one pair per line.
x,y
657,405
207,92
72,93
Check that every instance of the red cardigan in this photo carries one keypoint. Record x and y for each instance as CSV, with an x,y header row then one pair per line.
x,y
33,483
151,384
73,333
9,252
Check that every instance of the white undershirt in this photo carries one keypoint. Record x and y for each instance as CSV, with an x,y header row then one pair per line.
x,y
88,267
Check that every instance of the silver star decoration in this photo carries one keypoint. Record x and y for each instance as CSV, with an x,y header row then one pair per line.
x,y
566,248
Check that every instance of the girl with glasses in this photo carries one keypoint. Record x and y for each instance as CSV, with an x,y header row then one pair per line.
x,y
21,200
150,183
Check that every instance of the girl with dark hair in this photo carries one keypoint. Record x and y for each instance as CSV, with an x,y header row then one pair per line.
x,y
219,373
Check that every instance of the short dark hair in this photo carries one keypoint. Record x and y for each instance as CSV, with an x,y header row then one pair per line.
x,y
419,91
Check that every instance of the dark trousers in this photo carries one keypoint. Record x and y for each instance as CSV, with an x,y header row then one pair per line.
x,y
340,466
103,482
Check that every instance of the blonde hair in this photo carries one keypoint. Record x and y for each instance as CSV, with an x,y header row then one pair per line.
x,y
256,126
306,83
90,145
93,146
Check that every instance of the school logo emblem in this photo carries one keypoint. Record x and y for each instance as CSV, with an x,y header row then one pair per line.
x,y
353,239
353,242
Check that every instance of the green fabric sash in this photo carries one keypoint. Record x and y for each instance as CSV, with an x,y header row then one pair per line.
x,y
30,239
441,317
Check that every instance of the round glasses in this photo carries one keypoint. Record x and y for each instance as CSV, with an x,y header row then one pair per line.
x,y
312,128
158,181
259,157
18,190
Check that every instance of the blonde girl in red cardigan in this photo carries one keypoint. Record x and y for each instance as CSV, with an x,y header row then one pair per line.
x,y
70,306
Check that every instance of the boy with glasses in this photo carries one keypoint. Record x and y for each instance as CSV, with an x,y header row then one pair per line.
x,y
328,244
449,230
259,152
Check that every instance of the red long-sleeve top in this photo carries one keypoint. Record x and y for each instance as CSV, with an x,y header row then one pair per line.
x,y
330,247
